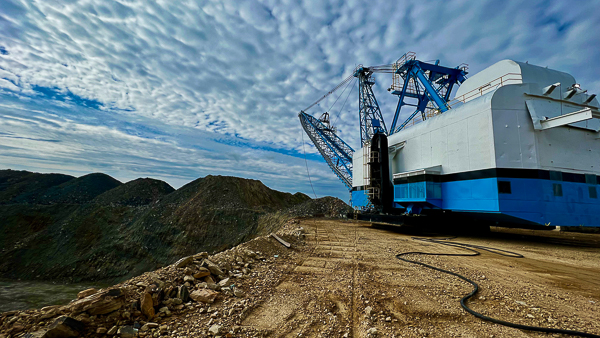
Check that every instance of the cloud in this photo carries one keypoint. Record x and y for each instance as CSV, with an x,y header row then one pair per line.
x,y
242,69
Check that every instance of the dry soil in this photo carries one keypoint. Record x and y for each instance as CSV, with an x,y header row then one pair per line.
x,y
347,281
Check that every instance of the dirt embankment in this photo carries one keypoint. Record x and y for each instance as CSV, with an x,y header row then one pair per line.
x,y
58,227
341,279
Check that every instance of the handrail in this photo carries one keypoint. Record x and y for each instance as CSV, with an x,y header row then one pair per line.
x,y
495,83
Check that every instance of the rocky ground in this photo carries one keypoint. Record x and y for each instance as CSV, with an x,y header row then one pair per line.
x,y
340,279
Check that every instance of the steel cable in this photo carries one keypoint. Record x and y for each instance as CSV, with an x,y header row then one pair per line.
x,y
343,105
306,162
463,301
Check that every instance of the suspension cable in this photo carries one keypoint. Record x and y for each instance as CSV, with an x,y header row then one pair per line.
x,y
389,68
341,109
342,93
346,80
306,162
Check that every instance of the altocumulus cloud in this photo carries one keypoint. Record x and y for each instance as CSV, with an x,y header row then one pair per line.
x,y
181,89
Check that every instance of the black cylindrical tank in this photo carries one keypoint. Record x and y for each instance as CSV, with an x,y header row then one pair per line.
x,y
381,192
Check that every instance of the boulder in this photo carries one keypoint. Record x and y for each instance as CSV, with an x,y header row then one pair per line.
x,y
223,283
64,327
147,305
127,331
47,308
49,314
183,293
86,293
202,272
16,328
156,280
185,261
213,286
201,255
215,329
99,303
238,292
112,331
149,326
213,268
204,296
189,279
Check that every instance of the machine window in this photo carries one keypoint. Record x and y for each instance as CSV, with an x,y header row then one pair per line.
x,y
557,189
593,192
504,187
556,176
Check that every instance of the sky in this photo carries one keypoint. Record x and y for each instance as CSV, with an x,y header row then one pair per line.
x,y
177,90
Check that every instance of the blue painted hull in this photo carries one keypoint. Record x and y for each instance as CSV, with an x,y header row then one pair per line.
x,y
526,200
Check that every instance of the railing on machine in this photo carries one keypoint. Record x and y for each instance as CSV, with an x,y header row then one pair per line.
x,y
397,80
428,114
506,79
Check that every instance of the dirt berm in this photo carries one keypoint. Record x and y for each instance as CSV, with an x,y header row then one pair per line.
x,y
91,228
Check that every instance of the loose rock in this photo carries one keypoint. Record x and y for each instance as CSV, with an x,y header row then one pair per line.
x,y
147,305
86,293
183,293
202,272
64,327
215,329
185,261
112,331
204,296
127,332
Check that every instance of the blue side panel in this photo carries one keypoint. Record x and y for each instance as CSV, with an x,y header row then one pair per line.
x,y
471,195
538,201
359,198
425,194
542,201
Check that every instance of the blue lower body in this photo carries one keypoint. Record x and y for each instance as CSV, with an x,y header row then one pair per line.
x,y
527,200
359,199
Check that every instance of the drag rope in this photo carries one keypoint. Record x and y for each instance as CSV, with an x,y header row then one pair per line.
x,y
472,248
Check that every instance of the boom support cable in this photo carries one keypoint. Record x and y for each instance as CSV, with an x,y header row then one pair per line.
x,y
463,302
343,105
342,93
345,81
306,162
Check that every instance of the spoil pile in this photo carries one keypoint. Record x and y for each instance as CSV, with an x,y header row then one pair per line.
x,y
142,191
57,227
321,207
159,302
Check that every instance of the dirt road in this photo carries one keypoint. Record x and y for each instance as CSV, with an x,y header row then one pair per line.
x,y
346,282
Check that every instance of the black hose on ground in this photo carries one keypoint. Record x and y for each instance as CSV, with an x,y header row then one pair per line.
x,y
463,301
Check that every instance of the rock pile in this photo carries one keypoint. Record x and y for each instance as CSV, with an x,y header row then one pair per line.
x,y
143,306
321,207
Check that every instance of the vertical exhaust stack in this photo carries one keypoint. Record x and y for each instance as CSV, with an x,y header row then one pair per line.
x,y
380,189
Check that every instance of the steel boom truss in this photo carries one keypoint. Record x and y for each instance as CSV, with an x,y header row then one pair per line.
x,y
336,152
